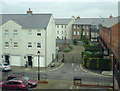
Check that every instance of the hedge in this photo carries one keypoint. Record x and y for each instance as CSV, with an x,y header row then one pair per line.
x,y
68,49
97,63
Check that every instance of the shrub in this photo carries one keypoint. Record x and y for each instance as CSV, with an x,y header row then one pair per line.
x,y
71,47
67,49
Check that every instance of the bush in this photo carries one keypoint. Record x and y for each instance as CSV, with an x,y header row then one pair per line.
x,y
97,63
93,48
71,47
74,41
67,49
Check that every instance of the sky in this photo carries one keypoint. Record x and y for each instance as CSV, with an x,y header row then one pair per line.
x,y
62,8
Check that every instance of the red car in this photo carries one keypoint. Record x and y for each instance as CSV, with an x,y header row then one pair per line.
x,y
31,83
14,85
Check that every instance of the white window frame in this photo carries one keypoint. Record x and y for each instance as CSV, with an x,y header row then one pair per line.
x,y
6,32
38,45
15,32
78,33
84,27
15,45
74,26
29,32
74,32
83,32
78,27
87,33
87,27
57,26
6,44
39,33
29,44
62,26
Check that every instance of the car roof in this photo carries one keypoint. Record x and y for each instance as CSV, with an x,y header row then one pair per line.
x,y
17,80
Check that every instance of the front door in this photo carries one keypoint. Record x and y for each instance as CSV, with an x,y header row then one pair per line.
x,y
7,58
29,60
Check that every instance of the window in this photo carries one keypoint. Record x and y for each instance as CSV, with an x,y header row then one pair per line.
x,y
78,27
15,32
6,44
74,26
62,26
57,32
65,26
29,32
57,26
9,83
84,27
38,45
74,32
87,27
78,33
38,33
29,44
57,37
6,33
83,33
15,45
87,33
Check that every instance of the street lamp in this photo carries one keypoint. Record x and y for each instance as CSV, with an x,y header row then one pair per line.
x,y
38,65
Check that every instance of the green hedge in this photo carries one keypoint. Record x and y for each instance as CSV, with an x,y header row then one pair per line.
x,y
68,49
97,63
93,48
92,54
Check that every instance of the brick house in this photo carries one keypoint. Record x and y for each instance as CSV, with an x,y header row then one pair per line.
x,y
109,37
88,27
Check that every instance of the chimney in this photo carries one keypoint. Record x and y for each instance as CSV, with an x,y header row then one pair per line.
x,y
73,17
29,12
78,17
110,16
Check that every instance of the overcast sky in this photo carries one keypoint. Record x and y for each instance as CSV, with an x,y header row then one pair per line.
x,y
62,8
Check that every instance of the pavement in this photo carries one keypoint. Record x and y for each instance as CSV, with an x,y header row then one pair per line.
x,y
97,72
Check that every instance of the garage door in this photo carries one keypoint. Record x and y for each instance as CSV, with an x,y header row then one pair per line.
x,y
15,61
42,62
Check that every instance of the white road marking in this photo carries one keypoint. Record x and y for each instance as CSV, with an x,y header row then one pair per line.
x,y
71,87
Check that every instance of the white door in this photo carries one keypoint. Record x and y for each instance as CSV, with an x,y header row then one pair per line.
x,y
15,61
42,62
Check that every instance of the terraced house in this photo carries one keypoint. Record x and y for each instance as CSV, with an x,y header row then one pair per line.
x,y
88,27
64,28
110,41
23,35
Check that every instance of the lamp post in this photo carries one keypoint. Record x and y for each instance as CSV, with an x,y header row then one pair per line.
x,y
38,65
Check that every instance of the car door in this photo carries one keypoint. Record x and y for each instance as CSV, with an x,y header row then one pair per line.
x,y
8,85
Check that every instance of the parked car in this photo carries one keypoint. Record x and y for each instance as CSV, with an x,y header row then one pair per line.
x,y
31,83
58,49
4,66
14,85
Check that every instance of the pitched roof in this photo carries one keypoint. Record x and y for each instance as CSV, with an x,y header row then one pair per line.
x,y
62,21
89,21
110,22
28,21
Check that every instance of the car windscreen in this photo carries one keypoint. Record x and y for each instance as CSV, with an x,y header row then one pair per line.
x,y
24,82
26,78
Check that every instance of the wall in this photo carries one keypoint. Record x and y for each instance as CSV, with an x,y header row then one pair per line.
x,y
50,41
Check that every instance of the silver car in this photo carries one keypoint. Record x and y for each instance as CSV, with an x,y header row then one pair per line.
x,y
4,66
